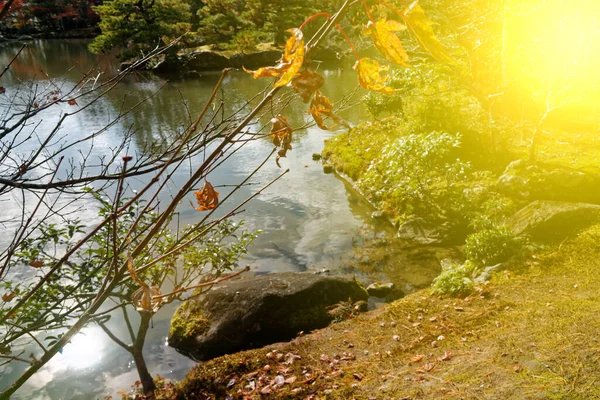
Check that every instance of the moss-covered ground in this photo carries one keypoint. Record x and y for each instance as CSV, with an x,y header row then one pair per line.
x,y
532,333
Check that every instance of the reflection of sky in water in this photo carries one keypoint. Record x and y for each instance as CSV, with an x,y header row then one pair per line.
x,y
306,217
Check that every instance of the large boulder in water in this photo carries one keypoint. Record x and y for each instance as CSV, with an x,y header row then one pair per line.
x,y
553,220
256,311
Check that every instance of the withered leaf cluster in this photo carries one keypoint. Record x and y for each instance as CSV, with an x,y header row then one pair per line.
x,y
207,197
281,132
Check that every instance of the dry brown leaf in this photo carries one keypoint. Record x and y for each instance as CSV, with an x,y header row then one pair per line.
x,y
372,76
207,197
142,299
72,102
281,132
321,106
289,64
421,27
8,296
446,357
307,83
386,41
36,263
416,358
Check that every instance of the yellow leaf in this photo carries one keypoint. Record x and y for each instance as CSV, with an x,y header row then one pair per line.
x,y
321,106
294,56
421,27
289,64
372,76
386,41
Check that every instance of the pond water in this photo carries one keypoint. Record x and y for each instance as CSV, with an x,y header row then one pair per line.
x,y
310,220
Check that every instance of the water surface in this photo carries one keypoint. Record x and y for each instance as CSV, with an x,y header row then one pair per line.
x,y
310,220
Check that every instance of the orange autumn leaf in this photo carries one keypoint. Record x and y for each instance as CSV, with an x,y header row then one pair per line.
x,y
421,27
281,131
72,102
36,263
8,296
321,106
416,358
386,41
372,76
289,64
307,83
207,197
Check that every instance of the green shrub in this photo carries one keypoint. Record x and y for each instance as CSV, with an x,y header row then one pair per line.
x,y
493,245
454,280
419,175
245,41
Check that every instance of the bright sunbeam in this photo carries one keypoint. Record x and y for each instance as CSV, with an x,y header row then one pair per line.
x,y
85,350
552,47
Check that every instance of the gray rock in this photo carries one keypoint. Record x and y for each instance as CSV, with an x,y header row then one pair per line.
x,y
256,311
205,60
255,60
388,291
553,220
486,275
380,289
170,66
419,231
547,182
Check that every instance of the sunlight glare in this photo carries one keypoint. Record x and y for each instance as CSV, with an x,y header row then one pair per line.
x,y
553,47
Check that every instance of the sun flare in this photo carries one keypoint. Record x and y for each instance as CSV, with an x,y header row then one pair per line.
x,y
552,47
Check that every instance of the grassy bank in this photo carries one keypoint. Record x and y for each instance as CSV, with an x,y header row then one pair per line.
x,y
530,333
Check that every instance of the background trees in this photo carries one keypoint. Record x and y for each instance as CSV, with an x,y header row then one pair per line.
x,y
138,26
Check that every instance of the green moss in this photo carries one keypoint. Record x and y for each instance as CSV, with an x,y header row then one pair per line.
x,y
188,322
351,153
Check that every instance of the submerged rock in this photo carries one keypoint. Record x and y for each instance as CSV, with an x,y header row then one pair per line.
x,y
256,311
552,220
